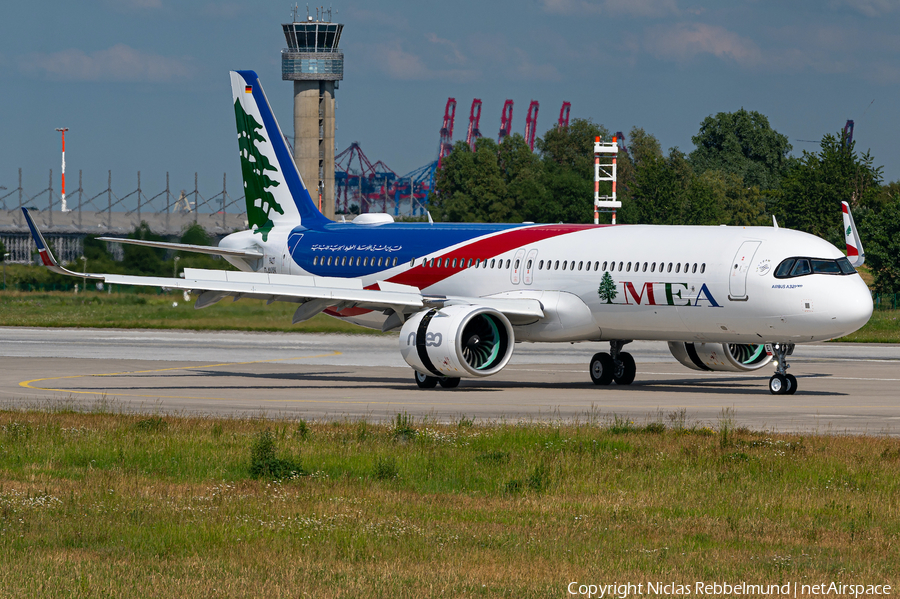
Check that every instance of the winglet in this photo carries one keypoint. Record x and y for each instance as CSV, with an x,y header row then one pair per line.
x,y
44,250
855,252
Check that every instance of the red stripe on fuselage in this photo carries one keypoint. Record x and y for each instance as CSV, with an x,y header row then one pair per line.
x,y
45,258
483,249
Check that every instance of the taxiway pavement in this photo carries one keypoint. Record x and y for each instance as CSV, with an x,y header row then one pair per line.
x,y
843,388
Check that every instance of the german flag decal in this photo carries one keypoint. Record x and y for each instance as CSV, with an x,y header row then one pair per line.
x,y
248,89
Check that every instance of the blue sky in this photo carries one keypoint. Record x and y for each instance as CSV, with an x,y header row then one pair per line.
x,y
143,84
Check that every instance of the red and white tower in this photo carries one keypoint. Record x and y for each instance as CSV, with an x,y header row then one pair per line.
x,y
63,206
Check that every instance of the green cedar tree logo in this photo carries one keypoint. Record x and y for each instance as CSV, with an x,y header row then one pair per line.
x,y
607,290
260,202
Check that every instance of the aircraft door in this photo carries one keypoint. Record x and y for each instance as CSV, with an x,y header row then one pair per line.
x,y
740,268
530,266
517,267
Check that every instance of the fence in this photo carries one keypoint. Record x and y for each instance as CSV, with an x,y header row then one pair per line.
x,y
108,212
142,205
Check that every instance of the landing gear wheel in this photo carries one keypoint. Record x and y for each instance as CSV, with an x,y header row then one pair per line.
x,y
792,384
602,368
449,382
426,382
625,369
778,384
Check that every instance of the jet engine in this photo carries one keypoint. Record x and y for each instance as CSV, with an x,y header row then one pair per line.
x,y
729,357
457,341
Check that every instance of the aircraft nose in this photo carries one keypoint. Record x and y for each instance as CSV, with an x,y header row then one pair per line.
x,y
856,309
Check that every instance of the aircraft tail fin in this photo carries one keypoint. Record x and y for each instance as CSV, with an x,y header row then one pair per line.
x,y
274,190
855,252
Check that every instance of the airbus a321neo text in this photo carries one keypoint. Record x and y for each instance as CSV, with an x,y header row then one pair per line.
x,y
462,295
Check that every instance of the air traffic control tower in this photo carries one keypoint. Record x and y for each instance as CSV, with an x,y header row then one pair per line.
x,y
313,61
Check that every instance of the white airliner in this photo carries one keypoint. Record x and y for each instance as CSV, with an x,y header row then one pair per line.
x,y
461,295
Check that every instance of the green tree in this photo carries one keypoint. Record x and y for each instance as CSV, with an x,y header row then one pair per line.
x,y
195,235
567,155
470,186
607,290
744,144
814,186
141,260
879,230
741,206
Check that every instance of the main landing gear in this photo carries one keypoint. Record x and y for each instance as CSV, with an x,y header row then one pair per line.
x,y
425,381
781,382
615,366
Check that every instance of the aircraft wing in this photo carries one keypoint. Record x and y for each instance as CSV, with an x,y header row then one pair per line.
x,y
186,247
314,294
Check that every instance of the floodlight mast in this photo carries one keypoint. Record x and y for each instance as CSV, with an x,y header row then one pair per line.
x,y
605,170
63,204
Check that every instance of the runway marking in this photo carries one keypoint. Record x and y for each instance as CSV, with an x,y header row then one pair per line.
x,y
28,384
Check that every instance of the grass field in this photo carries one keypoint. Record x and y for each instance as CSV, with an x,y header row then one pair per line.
x,y
154,311
157,311
104,504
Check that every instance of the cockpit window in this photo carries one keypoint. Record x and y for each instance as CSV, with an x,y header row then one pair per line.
x,y
825,267
845,266
798,267
801,268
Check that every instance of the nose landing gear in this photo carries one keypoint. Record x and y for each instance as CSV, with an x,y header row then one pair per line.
x,y
781,382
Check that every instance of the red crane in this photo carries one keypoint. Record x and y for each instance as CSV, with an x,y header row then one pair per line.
x,y
564,115
447,131
506,120
531,123
474,118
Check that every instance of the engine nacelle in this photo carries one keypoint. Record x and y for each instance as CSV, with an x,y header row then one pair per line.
x,y
457,341
729,357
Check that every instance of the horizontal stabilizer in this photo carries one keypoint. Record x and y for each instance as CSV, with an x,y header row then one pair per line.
x,y
186,247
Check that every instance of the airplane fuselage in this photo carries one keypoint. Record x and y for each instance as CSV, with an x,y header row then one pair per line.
x,y
674,283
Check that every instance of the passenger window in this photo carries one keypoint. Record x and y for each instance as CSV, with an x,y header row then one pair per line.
x,y
694,269
703,268
653,267
580,264
517,264
329,260
454,263
557,265
604,266
645,267
686,266
492,262
507,264
379,261
596,265
612,267
801,268
316,261
395,261
564,265
669,269
621,264
628,267
541,265
528,266
678,267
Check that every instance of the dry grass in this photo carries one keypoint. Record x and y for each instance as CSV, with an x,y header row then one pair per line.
x,y
106,504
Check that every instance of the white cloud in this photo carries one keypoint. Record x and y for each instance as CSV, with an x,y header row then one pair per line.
x,y
683,42
118,63
633,8
400,64
869,8
457,57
